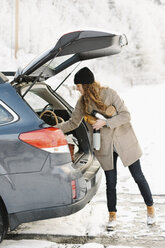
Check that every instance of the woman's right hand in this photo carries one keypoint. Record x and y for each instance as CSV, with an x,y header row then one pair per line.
x,y
99,124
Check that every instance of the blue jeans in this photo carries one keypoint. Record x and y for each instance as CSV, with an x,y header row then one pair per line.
x,y
137,174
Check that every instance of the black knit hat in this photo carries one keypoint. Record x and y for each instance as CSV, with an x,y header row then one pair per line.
x,y
84,76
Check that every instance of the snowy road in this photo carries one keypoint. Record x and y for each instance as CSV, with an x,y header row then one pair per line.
x,y
131,229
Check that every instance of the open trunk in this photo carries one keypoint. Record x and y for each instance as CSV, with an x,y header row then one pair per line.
x,y
44,102
71,48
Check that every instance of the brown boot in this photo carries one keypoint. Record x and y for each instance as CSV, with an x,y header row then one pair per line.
x,y
150,215
112,221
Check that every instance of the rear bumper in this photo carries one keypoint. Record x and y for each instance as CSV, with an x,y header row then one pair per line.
x,y
93,183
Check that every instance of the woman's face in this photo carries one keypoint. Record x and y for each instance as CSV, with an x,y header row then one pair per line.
x,y
80,88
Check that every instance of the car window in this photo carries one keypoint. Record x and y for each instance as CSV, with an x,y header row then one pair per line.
x,y
58,61
5,116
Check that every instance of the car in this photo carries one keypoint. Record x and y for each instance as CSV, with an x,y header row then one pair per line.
x,y
42,174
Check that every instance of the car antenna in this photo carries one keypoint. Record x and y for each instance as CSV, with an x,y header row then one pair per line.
x,y
67,77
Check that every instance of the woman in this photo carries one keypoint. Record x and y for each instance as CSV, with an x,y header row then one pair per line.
x,y
117,138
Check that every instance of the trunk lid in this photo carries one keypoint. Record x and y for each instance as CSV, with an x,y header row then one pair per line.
x,y
80,45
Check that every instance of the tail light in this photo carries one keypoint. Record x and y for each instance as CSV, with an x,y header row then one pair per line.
x,y
74,195
71,148
49,139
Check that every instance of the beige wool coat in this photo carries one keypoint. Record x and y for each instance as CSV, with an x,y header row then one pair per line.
x,y
118,133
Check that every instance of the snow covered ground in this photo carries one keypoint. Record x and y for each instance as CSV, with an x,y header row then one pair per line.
x,y
48,244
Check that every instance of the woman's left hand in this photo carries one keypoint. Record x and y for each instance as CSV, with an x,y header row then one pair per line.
x,y
99,124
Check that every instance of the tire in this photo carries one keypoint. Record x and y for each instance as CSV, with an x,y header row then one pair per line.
x,y
3,222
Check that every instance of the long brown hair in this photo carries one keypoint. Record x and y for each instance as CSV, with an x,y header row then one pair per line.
x,y
92,94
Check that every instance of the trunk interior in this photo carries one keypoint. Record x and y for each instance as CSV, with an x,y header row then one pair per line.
x,y
45,103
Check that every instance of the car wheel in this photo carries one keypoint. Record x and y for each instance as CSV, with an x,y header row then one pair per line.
x,y
3,222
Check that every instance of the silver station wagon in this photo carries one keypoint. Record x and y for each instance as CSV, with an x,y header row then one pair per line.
x,y
42,175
